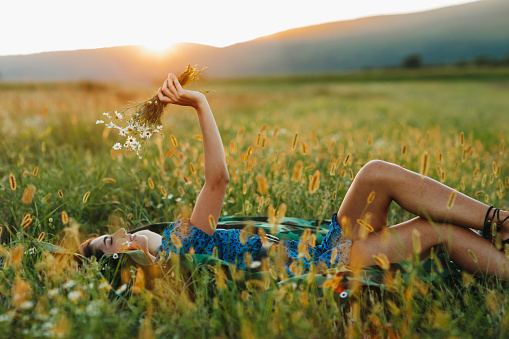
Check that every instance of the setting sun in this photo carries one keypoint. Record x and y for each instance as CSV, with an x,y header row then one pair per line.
x,y
158,47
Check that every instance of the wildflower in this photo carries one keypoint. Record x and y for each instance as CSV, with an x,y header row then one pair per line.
x,y
99,122
53,292
117,146
69,284
255,264
121,289
25,305
343,294
74,295
145,117
178,199
104,285
115,256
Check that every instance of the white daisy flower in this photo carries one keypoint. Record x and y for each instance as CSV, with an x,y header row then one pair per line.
x,y
118,115
146,134
343,294
123,132
117,146
131,139
178,199
107,114
99,122
115,256
112,125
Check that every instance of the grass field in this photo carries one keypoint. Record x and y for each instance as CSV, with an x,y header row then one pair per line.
x,y
277,134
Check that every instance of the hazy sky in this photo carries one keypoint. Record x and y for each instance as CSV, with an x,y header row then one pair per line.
x,y
30,26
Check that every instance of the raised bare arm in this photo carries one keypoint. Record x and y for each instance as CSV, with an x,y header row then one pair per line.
x,y
210,200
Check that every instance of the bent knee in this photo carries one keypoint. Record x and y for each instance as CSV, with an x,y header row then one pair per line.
x,y
374,169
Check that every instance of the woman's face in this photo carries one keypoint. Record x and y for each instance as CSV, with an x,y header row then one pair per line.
x,y
118,241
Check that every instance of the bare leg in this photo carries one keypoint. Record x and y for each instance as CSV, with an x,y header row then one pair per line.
x,y
437,223
397,244
415,193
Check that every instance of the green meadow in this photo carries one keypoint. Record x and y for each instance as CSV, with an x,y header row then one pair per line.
x,y
61,182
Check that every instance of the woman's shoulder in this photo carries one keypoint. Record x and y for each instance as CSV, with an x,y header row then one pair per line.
x,y
184,227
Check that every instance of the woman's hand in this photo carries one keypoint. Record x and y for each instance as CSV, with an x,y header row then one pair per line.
x,y
173,93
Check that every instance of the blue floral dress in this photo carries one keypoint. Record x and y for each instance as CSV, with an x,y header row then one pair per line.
x,y
180,237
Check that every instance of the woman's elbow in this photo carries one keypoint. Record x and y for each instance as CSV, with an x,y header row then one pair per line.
x,y
219,180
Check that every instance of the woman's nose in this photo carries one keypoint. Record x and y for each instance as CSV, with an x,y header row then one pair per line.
x,y
120,233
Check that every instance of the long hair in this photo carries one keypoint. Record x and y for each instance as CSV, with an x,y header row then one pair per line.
x,y
87,250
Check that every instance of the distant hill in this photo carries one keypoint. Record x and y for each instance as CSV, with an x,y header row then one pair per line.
x,y
439,36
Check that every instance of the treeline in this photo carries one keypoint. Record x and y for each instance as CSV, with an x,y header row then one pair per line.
x,y
414,61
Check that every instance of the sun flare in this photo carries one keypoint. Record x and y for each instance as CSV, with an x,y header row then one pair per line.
x,y
158,47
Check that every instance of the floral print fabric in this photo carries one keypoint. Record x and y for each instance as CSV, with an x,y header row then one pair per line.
x,y
180,237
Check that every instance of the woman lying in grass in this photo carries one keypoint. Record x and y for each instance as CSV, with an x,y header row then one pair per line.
x,y
445,218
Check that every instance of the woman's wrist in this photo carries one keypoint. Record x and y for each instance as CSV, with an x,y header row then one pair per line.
x,y
200,102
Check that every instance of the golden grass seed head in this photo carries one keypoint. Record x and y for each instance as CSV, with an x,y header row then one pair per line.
x,y
65,217
212,223
424,164
12,182
294,142
314,183
28,194
85,197
150,183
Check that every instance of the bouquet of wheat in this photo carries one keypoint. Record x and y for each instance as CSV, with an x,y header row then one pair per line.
x,y
139,122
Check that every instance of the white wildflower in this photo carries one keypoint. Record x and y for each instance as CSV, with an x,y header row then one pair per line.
x,y
343,294
53,292
146,134
255,264
107,114
25,305
115,256
99,122
69,284
7,316
117,146
123,132
105,285
121,289
118,115
74,296
178,199
93,309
